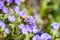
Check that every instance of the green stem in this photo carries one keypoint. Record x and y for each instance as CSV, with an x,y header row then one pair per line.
x,y
27,37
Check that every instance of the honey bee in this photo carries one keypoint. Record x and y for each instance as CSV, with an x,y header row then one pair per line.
x,y
24,17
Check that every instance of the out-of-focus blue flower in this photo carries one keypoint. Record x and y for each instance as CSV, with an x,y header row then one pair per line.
x,y
2,24
55,25
21,13
21,26
5,10
36,37
45,36
11,18
9,1
18,2
16,9
24,30
6,31
1,5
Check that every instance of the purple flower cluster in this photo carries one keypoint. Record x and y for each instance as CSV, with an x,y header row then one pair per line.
x,y
17,10
5,9
27,28
43,36
55,26
3,25
2,7
32,28
24,29
15,1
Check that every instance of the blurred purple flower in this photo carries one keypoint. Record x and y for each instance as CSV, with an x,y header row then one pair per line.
x,y
6,30
11,18
24,30
1,5
36,37
2,24
5,10
35,30
9,1
16,9
21,13
21,26
31,20
29,28
45,36
18,2
55,25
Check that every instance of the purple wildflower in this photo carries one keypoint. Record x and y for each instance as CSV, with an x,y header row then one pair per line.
x,y
16,9
36,37
6,30
55,26
29,28
35,30
21,26
1,5
9,1
11,18
24,30
5,10
18,2
45,36
2,24
21,13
